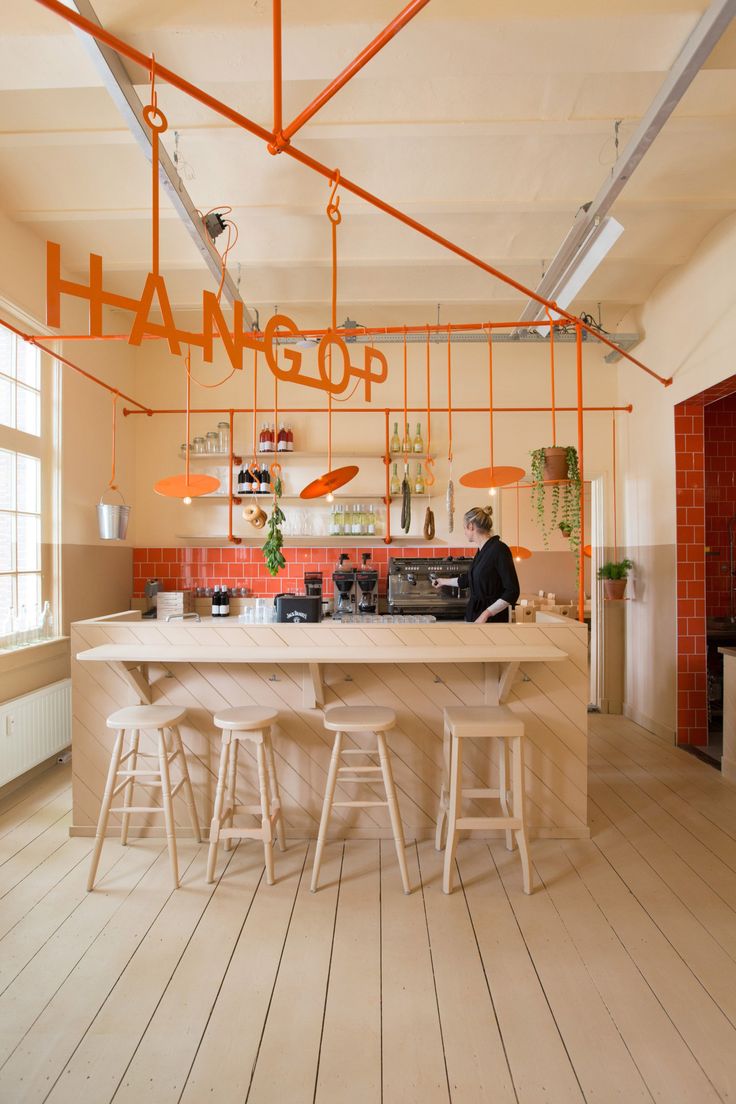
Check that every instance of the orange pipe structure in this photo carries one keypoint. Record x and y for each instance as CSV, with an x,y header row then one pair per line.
x,y
581,559
613,469
348,72
387,471
75,367
231,499
277,78
173,78
383,409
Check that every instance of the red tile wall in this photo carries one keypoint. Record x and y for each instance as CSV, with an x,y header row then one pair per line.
x,y
179,568
692,717
720,501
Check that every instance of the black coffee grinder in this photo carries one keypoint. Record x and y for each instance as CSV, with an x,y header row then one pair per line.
x,y
368,584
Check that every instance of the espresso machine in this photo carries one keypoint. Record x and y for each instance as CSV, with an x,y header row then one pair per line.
x,y
410,589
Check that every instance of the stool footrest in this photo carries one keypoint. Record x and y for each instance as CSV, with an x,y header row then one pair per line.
x,y
360,751
481,793
479,823
138,809
359,770
360,804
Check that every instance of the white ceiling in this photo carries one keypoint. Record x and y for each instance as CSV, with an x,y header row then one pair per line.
x,y
492,123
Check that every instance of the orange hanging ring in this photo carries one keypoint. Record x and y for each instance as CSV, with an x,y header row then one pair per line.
x,y
155,118
333,203
275,469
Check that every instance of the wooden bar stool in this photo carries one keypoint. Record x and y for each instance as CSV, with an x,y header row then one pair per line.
x,y
253,724
344,719
134,720
486,722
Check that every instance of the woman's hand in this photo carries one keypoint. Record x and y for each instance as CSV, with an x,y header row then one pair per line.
x,y
482,618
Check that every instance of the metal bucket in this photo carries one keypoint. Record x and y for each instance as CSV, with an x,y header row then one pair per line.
x,y
112,521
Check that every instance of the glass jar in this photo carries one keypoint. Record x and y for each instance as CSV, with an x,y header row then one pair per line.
x,y
198,445
184,449
223,436
213,441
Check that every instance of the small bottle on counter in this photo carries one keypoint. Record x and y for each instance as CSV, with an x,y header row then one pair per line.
x,y
395,445
216,602
224,602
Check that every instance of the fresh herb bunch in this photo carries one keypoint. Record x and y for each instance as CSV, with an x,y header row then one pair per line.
x,y
615,570
273,544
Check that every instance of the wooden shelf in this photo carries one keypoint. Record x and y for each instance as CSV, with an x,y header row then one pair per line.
x,y
318,542
316,455
246,496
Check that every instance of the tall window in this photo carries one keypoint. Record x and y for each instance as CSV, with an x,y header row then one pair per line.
x,y
22,590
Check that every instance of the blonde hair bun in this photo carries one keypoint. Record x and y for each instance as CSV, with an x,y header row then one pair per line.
x,y
481,517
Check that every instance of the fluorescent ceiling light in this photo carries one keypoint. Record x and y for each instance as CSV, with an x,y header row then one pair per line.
x,y
596,246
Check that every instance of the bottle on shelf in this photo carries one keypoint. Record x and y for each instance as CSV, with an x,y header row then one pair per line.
x,y
406,444
282,439
216,602
419,487
395,487
224,602
395,445
262,438
418,440
371,532
223,435
265,483
240,482
289,438
357,524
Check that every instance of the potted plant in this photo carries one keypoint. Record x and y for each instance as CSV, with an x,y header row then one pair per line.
x,y
614,577
564,499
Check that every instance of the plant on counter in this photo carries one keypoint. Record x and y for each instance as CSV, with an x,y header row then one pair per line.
x,y
564,506
273,544
614,577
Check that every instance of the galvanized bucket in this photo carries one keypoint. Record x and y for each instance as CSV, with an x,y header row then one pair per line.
x,y
112,521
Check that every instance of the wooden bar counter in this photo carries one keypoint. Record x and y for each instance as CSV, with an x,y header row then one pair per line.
x,y
540,670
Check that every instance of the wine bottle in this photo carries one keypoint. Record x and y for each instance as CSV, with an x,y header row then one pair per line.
x,y
395,445
289,438
406,444
418,442
216,602
419,481
240,482
395,488
371,522
265,486
224,602
281,445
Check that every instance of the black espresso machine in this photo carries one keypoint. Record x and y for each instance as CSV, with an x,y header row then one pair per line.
x,y
410,587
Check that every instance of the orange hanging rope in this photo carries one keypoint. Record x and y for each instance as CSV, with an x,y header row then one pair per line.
x,y
449,397
552,376
430,478
405,440
613,469
157,124
112,484
490,398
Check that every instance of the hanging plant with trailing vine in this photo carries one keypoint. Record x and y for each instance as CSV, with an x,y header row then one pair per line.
x,y
563,510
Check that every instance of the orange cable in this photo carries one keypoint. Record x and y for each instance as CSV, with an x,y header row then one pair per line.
x,y
490,396
449,397
613,468
112,484
552,376
430,478
406,430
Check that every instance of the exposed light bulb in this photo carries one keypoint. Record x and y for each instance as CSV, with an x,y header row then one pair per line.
x,y
518,559
330,497
187,501
492,492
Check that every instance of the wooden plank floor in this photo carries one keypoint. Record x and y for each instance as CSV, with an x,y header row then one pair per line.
x,y
615,981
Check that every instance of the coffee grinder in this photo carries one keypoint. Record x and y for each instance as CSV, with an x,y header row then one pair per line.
x,y
345,586
368,584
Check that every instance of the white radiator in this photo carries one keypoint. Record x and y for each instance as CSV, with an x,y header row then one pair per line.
x,y
34,728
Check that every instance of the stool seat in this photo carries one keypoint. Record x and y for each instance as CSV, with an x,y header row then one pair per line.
x,y
359,718
146,716
245,718
483,720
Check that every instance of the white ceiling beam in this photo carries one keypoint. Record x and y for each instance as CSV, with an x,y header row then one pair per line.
x,y
123,94
708,30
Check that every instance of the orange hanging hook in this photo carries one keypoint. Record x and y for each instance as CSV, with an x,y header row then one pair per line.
x,y
112,484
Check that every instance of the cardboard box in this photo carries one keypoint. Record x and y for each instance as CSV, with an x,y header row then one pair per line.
x,y
169,603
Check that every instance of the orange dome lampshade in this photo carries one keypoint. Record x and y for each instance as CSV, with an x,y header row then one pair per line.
x,y
492,476
329,482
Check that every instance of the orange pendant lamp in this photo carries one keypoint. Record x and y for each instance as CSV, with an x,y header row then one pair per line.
x,y
517,550
187,486
326,484
492,476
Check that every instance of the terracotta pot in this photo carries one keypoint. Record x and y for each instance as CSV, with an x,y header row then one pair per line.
x,y
614,588
555,463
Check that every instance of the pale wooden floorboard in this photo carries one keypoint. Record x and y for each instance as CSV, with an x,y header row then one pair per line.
x,y
614,981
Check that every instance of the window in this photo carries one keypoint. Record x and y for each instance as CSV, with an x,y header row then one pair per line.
x,y
23,587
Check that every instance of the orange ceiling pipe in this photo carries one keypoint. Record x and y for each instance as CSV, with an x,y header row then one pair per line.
x,y
32,340
277,80
384,410
266,136
348,72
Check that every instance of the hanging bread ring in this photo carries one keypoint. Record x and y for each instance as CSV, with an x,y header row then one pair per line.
x,y
259,521
255,515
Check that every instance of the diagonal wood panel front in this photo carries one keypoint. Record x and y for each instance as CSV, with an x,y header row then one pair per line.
x,y
551,697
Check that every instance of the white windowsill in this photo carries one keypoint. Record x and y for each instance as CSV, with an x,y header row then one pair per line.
x,y
28,654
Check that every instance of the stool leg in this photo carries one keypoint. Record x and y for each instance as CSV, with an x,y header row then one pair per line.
x,y
232,770
168,805
520,812
326,808
105,807
442,811
187,787
127,792
265,811
393,808
275,792
217,811
503,788
456,768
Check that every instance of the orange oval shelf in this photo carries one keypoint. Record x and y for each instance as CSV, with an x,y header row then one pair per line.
x,y
519,552
492,477
178,486
329,482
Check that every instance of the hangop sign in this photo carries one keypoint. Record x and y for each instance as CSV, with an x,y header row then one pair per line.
x,y
334,367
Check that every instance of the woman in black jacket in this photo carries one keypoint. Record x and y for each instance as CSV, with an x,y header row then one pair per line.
x,y
493,582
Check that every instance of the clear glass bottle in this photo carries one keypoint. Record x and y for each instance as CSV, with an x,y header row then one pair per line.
x,y
406,444
418,440
395,445
347,527
223,436
419,487
395,487
356,520
333,522
371,522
